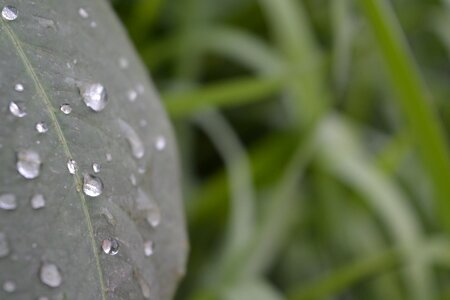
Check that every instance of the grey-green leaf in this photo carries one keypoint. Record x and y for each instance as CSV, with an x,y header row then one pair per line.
x,y
83,234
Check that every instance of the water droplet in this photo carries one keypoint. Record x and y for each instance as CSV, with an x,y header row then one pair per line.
x,y
37,201
50,275
145,289
28,163
96,167
9,286
83,13
149,247
18,87
94,96
110,246
148,206
41,127
72,166
17,109
160,143
123,63
4,245
108,157
66,109
8,202
133,179
92,185
137,147
132,95
9,13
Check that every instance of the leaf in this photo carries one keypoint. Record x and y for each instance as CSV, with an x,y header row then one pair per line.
x,y
56,52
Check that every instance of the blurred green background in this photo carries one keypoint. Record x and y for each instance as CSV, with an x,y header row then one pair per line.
x,y
314,141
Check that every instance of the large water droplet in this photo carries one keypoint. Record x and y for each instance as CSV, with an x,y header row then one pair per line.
x,y
9,286
92,185
50,275
37,201
160,143
72,166
17,109
66,109
83,13
96,167
110,246
148,206
41,127
94,96
9,13
135,142
28,163
19,87
4,245
8,202
149,247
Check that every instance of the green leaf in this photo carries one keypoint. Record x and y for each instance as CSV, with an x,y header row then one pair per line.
x,y
56,250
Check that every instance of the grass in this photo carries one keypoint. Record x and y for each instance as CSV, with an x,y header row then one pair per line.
x,y
314,139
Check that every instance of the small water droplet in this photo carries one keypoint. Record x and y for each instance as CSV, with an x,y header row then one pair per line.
x,y
110,246
137,147
50,275
145,289
123,63
92,185
94,96
17,109
132,95
9,286
133,179
72,166
141,170
9,13
83,13
149,247
8,202
4,245
37,201
28,163
160,143
41,127
66,109
96,167
148,206
19,87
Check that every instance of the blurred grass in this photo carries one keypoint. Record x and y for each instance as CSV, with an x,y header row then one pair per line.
x,y
314,139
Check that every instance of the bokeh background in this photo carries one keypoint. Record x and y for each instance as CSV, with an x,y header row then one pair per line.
x,y
313,136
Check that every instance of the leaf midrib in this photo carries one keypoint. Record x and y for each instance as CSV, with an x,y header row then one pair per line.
x,y
50,110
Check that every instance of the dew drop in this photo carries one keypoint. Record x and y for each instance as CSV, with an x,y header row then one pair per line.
x,y
17,109
37,201
4,245
28,163
110,246
133,179
94,96
96,167
132,95
9,13
66,109
19,87
92,185
149,207
41,127
50,275
108,157
149,247
8,202
160,143
72,166
137,147
83,13
9,286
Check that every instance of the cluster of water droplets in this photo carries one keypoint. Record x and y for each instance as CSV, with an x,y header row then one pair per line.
x,y
28,165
